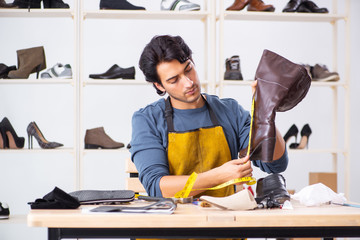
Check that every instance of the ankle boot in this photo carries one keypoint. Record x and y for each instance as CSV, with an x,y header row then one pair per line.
x,y
30,60
258,5
233,71
97,138
27,3
281,85
238,5
55,4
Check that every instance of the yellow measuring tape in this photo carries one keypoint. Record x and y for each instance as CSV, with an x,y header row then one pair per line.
x,y
184,193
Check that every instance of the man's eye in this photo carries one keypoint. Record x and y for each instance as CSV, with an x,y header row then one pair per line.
x,y
173,81
188,69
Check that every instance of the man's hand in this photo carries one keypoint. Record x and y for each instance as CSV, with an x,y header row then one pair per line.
x,y
253,86
233,169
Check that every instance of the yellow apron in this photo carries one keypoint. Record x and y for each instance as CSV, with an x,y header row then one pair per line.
x,y
197,150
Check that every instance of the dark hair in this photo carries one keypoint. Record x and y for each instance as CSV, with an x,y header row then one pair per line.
x,y
164,48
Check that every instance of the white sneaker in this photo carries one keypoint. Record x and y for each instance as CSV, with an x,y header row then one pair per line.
x,y
179,5
58,71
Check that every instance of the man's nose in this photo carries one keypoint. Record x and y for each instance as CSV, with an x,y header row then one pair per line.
x,y
187,81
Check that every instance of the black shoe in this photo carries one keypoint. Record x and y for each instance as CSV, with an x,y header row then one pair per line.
x,y
55,4
292,5
118,5
116,72
27,3
9,137
293,131
233,71
271,190
4,70
304,141
311,7
4,211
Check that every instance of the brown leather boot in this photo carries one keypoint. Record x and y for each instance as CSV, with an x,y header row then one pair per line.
x,y
97,138
258,5
238,5
30,60
281,85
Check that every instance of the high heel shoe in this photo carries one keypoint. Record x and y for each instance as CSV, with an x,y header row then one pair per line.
x,y
34,131
293,131
30,60
304,141
9,138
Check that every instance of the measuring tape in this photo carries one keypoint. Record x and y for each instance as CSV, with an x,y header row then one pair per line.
x,y
184,193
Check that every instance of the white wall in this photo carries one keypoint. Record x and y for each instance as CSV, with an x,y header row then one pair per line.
x,y
25,177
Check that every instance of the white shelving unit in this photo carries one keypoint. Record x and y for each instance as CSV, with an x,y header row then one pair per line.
x,y
332,18
206,16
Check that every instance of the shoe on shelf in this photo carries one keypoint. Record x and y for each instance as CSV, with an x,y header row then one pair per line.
x,y
118,5
34,131
292,6
27,3
55,4
238,5
30,60
4,211
233,71
310,7
58,71
178,5
3,4
97,138
304,141
259,5
4,70
9,138
321,73
116,72
292,132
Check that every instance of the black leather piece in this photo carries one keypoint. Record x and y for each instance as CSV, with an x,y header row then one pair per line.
x,y
56,199
116,72
118,5
292,5
272,187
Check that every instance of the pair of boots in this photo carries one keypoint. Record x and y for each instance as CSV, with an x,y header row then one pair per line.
x,y
37,4
30,60
281,85
253,5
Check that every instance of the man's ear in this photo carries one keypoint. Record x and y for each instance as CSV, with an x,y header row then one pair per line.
x,y
159,86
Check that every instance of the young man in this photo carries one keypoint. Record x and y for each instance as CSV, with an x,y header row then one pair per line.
x,y
190,131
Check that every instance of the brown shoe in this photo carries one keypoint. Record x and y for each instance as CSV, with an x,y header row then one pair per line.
x,y
281,85
258,5
97,138
238,5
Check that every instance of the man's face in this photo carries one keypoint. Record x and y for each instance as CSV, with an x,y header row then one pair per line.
x,y
181,82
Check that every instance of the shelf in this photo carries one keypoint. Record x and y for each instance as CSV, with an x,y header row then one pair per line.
x,y
290,17
37,81
145,15
101,151
115,82
121,82
38,150
52,13
325,150
313,83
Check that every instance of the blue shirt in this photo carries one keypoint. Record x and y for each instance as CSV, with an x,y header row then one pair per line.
x,y
149,136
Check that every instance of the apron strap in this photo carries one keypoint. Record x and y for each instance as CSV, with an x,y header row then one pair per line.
x,y
169,114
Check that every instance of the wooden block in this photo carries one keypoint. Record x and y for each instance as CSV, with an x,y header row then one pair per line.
x,y
327,178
